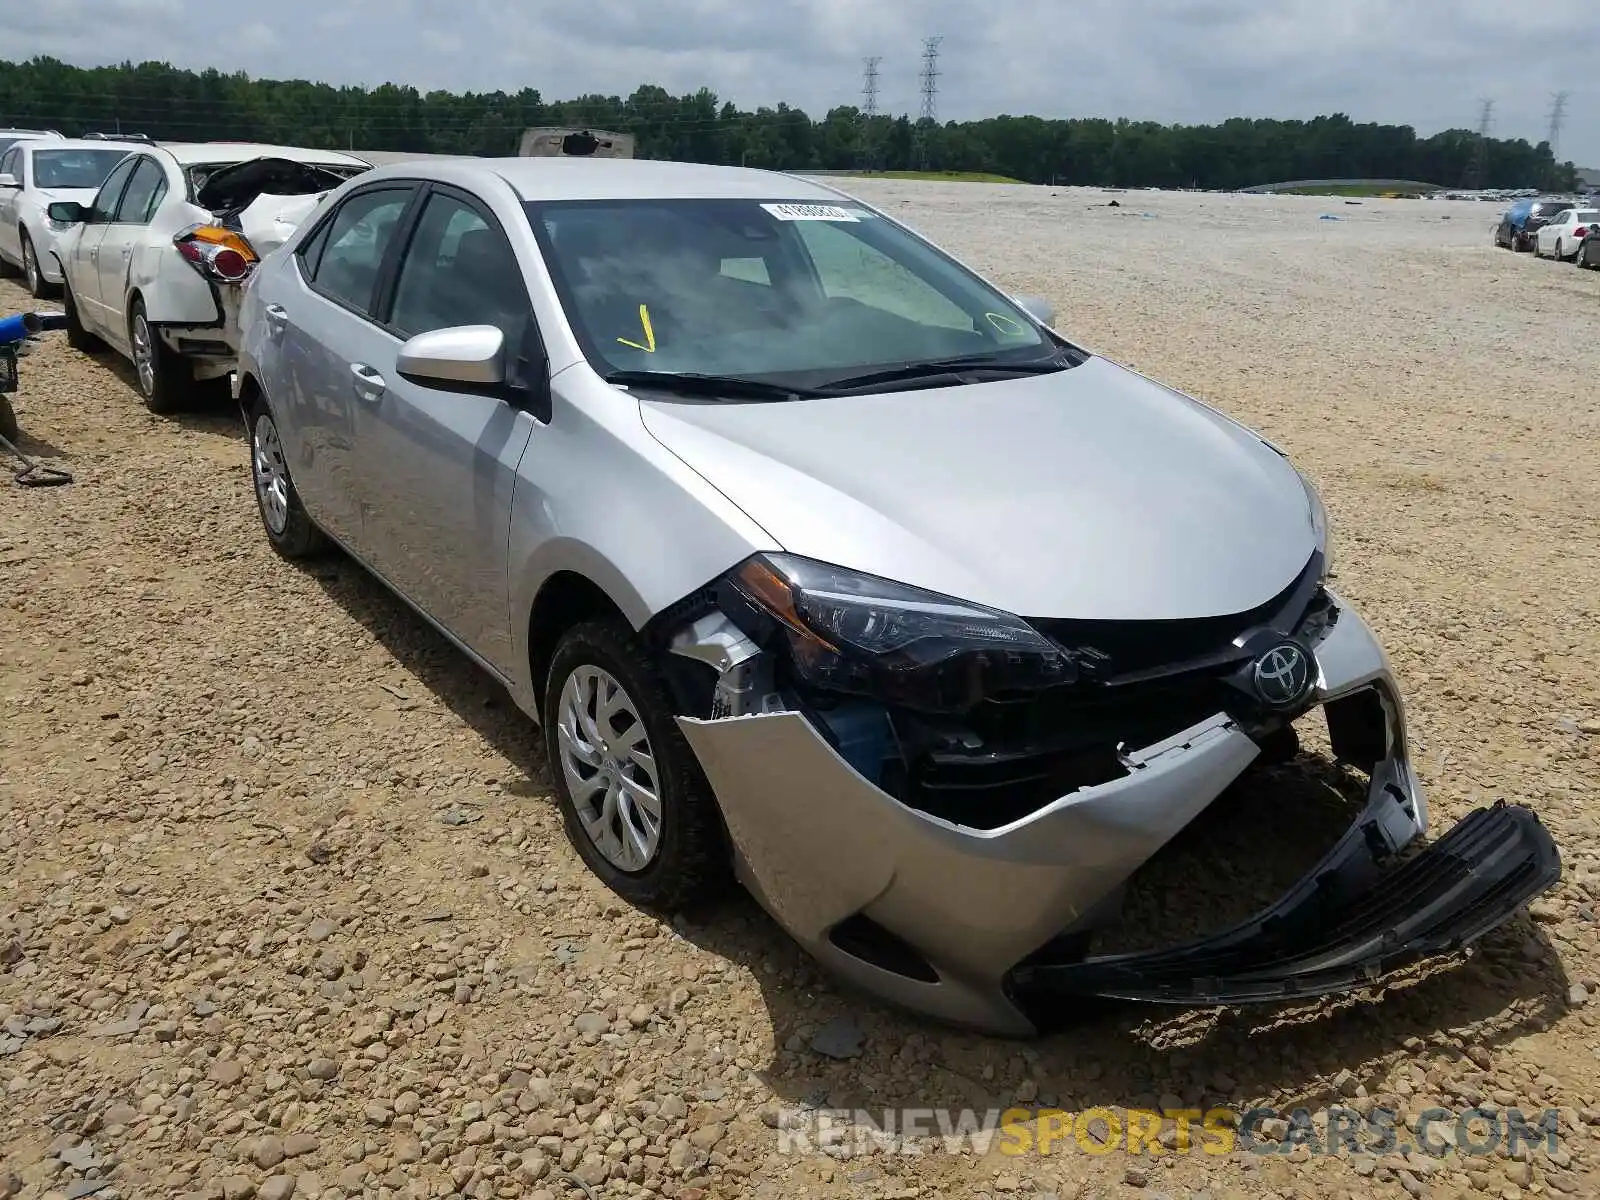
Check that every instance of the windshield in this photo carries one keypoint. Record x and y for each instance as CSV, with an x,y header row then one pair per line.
x,y
793,292
74,168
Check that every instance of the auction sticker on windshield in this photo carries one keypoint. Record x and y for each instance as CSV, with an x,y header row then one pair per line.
x,y
810,212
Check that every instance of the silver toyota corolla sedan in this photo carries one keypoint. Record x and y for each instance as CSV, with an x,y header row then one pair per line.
x,y
827,566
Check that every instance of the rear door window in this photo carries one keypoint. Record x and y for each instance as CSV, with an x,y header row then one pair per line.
x,y
351,245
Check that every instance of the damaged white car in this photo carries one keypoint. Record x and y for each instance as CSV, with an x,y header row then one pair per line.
x,y
829,567
155,263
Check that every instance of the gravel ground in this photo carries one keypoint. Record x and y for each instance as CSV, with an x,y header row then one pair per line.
x,y
284,909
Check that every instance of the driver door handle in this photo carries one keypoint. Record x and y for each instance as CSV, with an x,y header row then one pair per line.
x,y
367,382
277,318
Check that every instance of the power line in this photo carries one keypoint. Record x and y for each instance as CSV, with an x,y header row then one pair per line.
x,y
1478,165
930,93
869,85
869,110
1558,118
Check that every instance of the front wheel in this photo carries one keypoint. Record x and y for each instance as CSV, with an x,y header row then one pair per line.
x,y
166,379
633,799
289,527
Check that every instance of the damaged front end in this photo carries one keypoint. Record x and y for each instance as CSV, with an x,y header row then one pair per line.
x,y
940,801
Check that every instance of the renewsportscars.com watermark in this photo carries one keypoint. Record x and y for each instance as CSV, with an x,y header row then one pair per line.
x,y
1471,1132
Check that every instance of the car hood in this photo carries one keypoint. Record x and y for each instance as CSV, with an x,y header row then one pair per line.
x,y
1091,493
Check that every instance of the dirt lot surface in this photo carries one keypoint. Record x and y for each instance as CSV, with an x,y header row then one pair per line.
x,y
284,908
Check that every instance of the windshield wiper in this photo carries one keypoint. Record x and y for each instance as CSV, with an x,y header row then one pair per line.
x,y
953,368
697,384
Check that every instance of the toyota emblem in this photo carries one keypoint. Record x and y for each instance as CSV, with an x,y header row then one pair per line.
x,y
1282,675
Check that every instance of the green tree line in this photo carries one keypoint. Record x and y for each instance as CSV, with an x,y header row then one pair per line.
x,y
166,103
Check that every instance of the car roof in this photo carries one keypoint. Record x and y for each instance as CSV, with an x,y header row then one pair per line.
x,y
539,178
189,153
87,144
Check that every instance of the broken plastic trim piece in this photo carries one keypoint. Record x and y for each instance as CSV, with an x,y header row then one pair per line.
x,y
1347,925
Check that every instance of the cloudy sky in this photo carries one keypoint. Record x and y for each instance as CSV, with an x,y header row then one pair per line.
x,y
1427,63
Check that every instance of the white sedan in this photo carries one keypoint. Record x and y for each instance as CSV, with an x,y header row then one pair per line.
x,y
155,264
1561,237
34,174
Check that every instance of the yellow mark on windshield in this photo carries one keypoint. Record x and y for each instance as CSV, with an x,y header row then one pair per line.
x,y
1004,323
649,333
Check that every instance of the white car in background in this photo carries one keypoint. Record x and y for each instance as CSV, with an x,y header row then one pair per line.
x,y
34,174
155,264
1565,232
10,137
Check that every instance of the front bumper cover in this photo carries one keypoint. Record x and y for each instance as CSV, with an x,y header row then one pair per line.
x,y
962,918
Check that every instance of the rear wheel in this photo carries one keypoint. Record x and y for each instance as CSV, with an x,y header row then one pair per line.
x,y
1589,251
1560,254
166,379
38,287
78,337
289,528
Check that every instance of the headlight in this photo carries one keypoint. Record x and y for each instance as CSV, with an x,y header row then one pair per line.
x,y
855,633
1319,526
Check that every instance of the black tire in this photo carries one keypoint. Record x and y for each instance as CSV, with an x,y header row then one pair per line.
x,y
38,287
78,337
171,384
1559,257
1589,251
691,864
297,535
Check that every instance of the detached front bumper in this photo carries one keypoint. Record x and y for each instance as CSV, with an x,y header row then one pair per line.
x,y
958,923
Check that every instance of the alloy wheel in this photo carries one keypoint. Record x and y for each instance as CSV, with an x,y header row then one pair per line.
x,y
271,474
144,359
610,768
30,267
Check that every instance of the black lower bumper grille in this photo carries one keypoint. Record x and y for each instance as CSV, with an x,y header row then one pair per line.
x,y
1345,926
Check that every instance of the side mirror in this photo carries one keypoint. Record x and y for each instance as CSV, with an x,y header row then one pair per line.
x,y
470,355
68,212
1037,307
8,180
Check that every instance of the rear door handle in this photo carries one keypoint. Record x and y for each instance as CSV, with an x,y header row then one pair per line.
x,y
367,382
277,318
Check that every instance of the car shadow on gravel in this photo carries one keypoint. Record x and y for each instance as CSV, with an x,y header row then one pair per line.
x,y
210,409
32,446
453,680
1244,851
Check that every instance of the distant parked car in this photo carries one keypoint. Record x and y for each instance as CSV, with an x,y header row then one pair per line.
x,y
10,137
1559,238
34,174
155,263
1519,222
1589,250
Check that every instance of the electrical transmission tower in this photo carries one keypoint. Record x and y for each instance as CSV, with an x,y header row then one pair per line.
x,y
1558,118
930,95
869,111
1479,163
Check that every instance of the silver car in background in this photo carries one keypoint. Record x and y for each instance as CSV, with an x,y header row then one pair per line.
x,y
828,567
